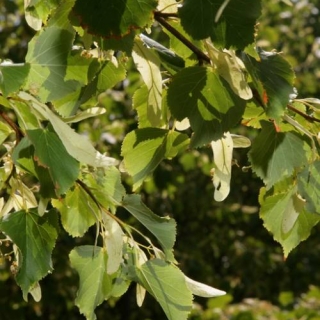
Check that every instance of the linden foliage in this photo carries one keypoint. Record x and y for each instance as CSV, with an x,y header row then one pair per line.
x,y
206,78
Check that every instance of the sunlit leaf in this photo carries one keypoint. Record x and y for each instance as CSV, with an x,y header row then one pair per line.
x,y
285,217
202,290
113,239
148,65
144,149
78,211
222,155
168,286
309,186
231,68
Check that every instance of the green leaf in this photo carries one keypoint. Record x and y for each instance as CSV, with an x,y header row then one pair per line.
x,y
5,131
202,96
95,284
51,153
37,12
107,187
110,75
23,156
78,211
76,145
48,67
285,217
222,157
274,155
35,237
148,64
77,67
309,186
26,118
177,46
89,113
164,229
274,76
113,239
202,290
120,283
167,285
234,27
12,77
230,68
114,18
169,59
143,150
124,43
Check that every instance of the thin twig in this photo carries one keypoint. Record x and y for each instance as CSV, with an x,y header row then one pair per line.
x,y
16,129
307,117
200,55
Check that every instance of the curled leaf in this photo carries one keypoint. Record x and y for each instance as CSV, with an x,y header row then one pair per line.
x,y
222,154
203,290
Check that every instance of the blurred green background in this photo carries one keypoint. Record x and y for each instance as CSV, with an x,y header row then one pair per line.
x,y
222,244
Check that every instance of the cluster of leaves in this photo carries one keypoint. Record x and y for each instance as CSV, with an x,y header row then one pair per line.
x,y
209,78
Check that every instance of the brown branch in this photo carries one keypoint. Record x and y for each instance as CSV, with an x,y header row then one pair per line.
x,y
16,129
166,14
200,55
307,117
88,191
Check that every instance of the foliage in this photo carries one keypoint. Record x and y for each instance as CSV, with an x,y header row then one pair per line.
x,y
195,91
306,307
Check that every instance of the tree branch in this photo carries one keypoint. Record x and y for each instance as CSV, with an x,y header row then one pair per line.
x,y
200,55
307,117
16,129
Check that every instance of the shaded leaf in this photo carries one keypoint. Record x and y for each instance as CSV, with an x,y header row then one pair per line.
x,y
35,237
202,96
12,77
23,156
76,145
235,26
51,153
48,67
164,229
114,18
273,77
